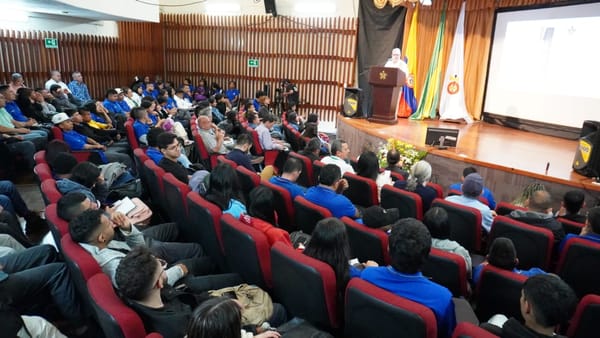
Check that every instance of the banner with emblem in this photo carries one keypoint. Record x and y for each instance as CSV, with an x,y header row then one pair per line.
x,y
431,89
408,101
452,105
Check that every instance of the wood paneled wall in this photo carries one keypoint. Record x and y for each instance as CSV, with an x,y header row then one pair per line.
x,y
105,62
318,54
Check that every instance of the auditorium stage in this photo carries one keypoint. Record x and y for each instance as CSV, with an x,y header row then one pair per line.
x,y
505,156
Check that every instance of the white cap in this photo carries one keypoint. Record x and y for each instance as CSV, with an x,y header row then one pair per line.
x,y
60,118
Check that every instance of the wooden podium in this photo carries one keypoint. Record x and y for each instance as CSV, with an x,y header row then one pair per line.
x,y
386,83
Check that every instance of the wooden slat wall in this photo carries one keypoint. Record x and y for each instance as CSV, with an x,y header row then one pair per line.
x,y
105,62
318,54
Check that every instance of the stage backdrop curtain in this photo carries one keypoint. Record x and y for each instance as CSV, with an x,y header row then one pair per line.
x,y
479,19
379,31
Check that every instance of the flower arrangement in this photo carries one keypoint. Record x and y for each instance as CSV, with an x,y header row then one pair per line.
x,y
409,155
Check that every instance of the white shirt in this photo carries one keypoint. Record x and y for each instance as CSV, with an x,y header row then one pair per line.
x,y
343,165
400,65
51,82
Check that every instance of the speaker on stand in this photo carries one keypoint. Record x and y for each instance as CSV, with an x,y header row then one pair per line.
x,y
587,155
352,106
270,7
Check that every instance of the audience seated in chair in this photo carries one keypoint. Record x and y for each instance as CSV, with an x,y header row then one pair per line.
x,y
213,137
472,187
539,213
409,245
368,166
264,134
224,190
527,193
394,163
546,302
503,255
376,217
85,178
485,193
95,231
570,206
436,221
312,150
143,122
170,147
155,154
326,193
329,244
141,279
221,317
339,156
591,231
290,173
262,216
239,154
420,174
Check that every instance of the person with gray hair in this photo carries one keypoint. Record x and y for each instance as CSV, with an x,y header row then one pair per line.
x,y
78,88
472,187
55,79
16,81
420,174
539,213
396,62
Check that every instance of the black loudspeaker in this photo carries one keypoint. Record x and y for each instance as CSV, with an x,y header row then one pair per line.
x,y
270,7
353,102
587,156
267,89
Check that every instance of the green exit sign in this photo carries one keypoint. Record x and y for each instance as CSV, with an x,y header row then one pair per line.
x,y
51,42
252,63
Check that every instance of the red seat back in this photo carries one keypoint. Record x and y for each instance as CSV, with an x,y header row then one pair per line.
x,y
60,224
306,287
499,291
361,190
223,159
49,191
578,265
366,243
504,208
584,323
571,227
374,312
306,177
247,251
308,214
115,318
209,160
43,172
248,180
131,138
154,175
82,261
534,244
175,198
465,223
204,227
283,204
438,189
447,269
408,203
40,157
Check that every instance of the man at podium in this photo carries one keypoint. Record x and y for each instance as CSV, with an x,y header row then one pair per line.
x,y
397,62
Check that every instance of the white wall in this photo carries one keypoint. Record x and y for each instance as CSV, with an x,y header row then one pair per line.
x,y
129,9
55,23
343,8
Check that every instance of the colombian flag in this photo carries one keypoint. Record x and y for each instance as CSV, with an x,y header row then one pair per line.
x,y
408,101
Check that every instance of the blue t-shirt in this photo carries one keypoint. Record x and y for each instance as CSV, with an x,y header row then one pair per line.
x,y
154,154
97,118
292,187
418,289
140,129
113,107
124,106
485,193
75,140
339,205
171,103
232,94
236,208
590,237
529,273
240,158
13,109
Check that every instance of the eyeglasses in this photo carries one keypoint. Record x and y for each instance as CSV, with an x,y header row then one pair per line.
x,y
174,147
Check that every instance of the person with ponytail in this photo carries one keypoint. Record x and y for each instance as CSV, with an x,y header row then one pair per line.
x,y
420,174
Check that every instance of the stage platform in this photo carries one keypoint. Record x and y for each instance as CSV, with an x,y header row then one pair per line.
x,y
507,158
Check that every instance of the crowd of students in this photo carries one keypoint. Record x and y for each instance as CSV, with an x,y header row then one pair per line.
x,y
149,265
